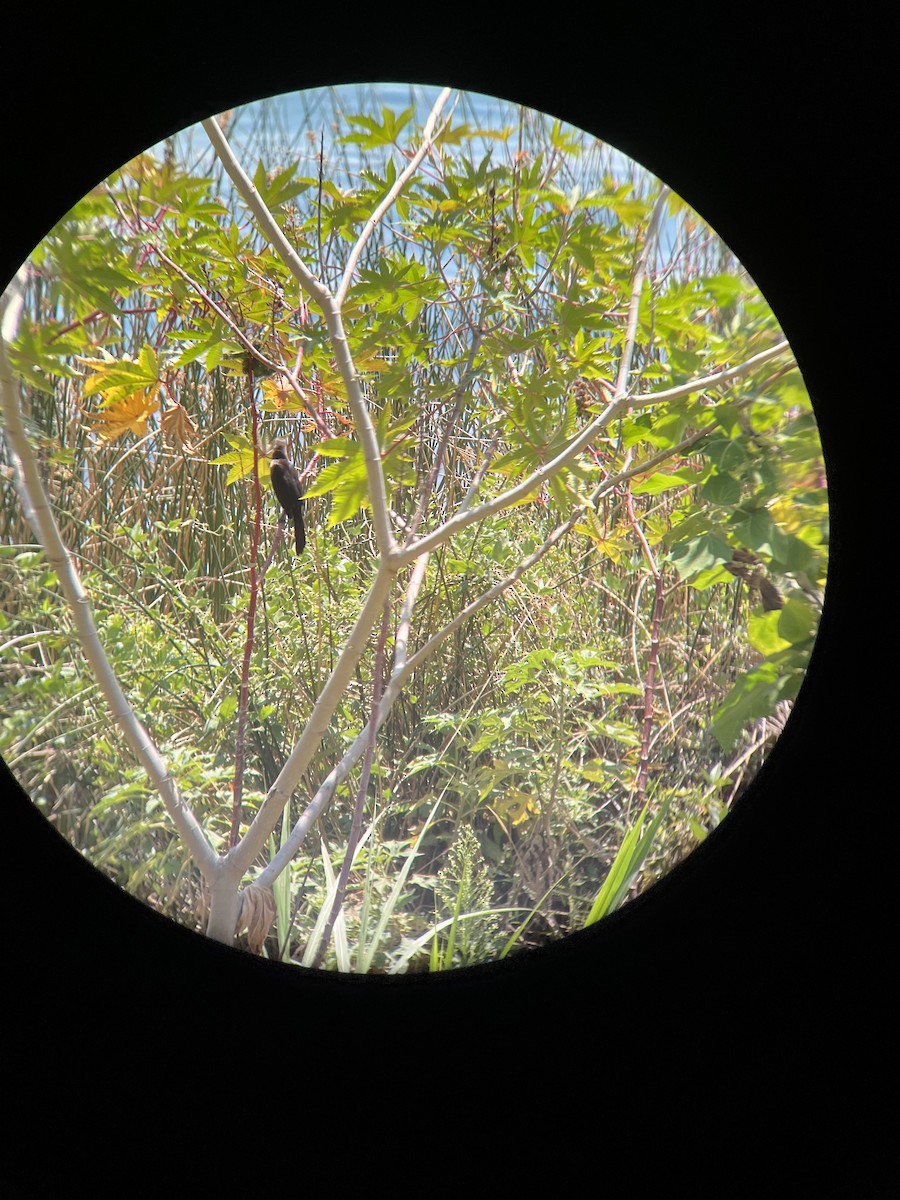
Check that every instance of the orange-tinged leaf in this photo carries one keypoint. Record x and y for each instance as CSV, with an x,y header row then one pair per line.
x,y
124,416
178,428
119,379
332,385
278,392
279,396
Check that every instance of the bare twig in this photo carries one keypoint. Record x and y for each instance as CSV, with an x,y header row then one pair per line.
x,y
637,286
393,192
244,695
319,293
534,482
440,453
273,365
253,841
362,790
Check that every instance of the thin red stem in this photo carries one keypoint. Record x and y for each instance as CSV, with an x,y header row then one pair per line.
x,y
356,824
650,684
244,699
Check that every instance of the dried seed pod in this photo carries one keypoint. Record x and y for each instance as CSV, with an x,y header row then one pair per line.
x,y
257,915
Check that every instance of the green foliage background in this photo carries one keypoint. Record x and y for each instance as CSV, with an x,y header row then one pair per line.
x,y
489,309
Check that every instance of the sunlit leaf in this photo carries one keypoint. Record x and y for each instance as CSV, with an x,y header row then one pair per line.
x,y
129,415
239,459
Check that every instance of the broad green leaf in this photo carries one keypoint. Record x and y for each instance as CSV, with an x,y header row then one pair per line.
x,y
757,693
724,289
699,554
753,696
763,633
760,533
796,621
347,483
371,132
337,447
721,489
239,459
658,482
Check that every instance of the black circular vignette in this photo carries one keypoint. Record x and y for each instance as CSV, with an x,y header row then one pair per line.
x,y
733,1019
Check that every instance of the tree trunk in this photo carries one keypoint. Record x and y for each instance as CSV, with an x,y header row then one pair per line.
x,y
224,910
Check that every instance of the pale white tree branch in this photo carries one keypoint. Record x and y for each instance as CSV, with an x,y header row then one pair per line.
x,y
637,287
331,309
41,514
705,382
404,623
384,535
339,773
470,516
404,666
393,192
314,288
264,822
533,482
243,854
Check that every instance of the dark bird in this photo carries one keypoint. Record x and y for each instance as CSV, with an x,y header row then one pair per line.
x,y
287,489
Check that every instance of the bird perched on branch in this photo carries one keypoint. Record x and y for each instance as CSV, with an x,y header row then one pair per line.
x,y
287,489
